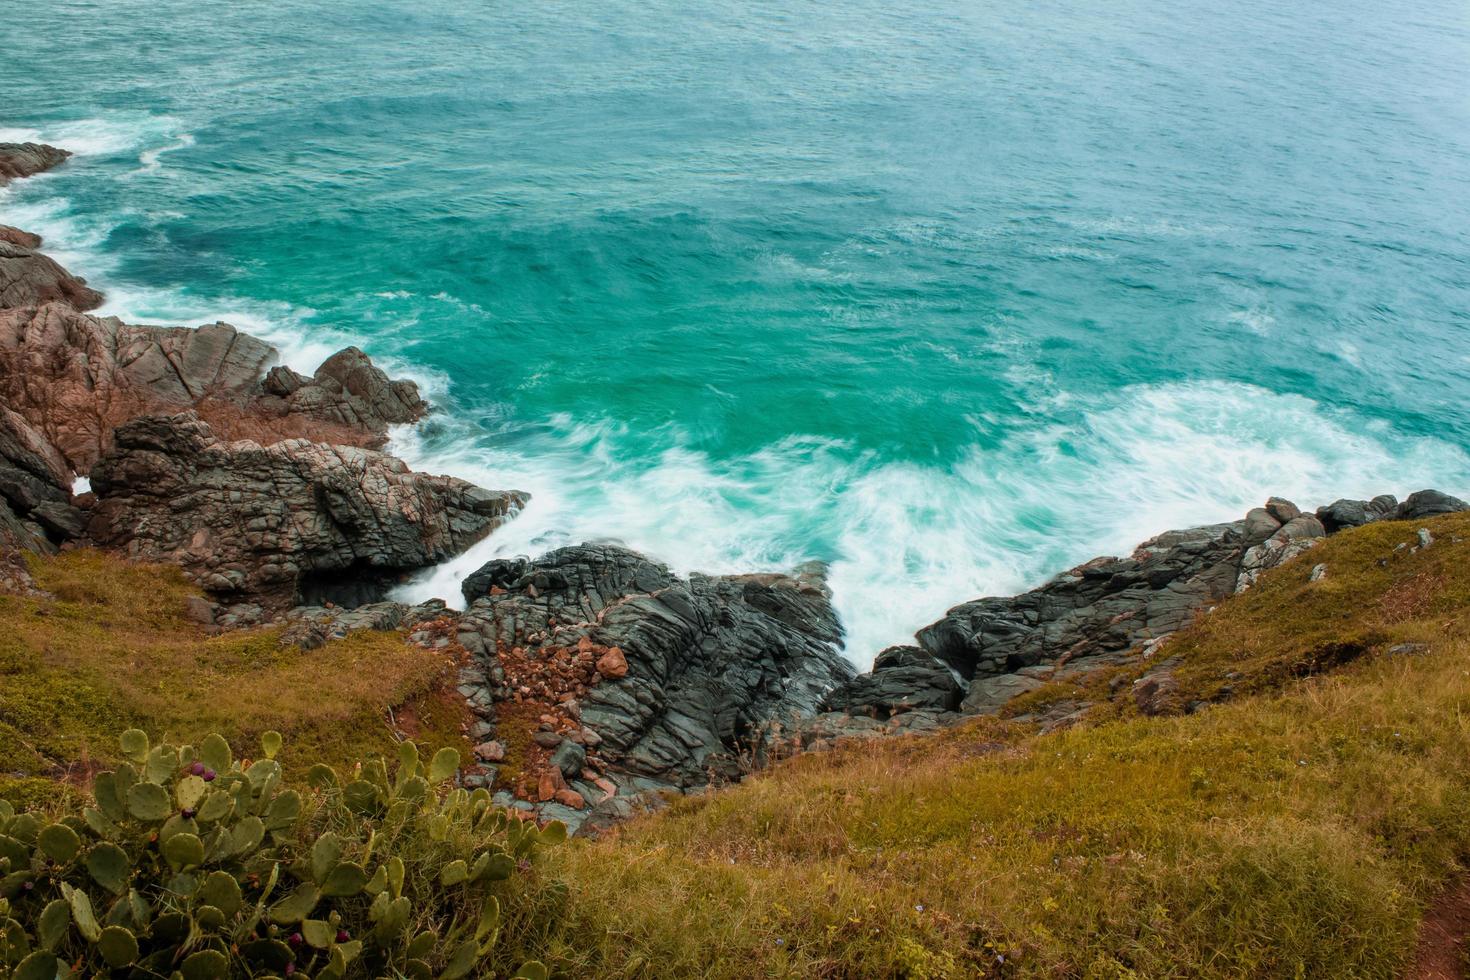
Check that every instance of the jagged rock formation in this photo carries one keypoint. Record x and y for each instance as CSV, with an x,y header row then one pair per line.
x,y
28,278
277,524
76,377
1106,611
26,159
347,390
678,677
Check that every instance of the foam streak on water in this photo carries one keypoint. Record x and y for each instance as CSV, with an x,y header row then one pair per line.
x,y
948,295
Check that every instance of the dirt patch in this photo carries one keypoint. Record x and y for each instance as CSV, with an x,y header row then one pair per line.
x,y
1441,950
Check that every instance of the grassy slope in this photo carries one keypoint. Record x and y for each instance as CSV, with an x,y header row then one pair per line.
x,y
114,649
1296,832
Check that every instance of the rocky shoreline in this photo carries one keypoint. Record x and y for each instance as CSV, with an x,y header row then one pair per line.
x,y
599,679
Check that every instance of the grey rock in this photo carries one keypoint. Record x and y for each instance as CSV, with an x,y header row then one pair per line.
x,y
570,758
902,679
1291,539
712,660
295,521
1104,606
987,695
61,521
1429,503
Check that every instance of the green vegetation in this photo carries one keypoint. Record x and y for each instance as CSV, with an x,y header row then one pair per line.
x,y
1296,825
1296,832
115,649
194,864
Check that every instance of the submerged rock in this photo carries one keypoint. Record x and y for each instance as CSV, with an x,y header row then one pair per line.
x,y
282,523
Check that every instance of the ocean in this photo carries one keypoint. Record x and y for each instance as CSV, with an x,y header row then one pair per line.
x,y
951,295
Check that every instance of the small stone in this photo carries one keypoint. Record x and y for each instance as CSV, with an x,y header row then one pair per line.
x,y
1425,538
1408,649
550,783
491,751
571,798
569,757
613,664
1319,572
547,740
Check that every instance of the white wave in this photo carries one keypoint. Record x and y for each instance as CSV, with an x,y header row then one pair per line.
x,y
907,541
149,159
113,134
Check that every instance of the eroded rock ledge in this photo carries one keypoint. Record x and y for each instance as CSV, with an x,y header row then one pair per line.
x,y
76,377
276,524
27,159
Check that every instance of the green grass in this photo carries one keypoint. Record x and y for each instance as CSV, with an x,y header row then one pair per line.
x,y
114,649
1296,831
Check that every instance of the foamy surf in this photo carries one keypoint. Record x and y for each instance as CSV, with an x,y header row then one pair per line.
x,y
904,541
1076,475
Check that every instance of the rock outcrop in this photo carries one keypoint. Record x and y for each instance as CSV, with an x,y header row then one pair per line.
x,y
669,680
347,390
76,377
29,278
15,236
1104,612
27,159
279,524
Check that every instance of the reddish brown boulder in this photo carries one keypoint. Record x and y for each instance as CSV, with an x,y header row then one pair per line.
x,y
612,664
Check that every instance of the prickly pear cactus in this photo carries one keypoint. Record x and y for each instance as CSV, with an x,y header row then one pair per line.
x,y
194,865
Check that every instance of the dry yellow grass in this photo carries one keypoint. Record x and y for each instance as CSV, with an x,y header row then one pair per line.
x,y
114,649
1297,832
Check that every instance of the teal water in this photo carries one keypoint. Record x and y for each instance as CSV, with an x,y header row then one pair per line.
x,y
949,294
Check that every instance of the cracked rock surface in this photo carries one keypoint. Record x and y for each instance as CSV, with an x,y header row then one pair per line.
x,y
278,524
696,668
76,377
27,159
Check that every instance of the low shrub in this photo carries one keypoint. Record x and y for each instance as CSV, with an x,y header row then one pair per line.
x,y
192,864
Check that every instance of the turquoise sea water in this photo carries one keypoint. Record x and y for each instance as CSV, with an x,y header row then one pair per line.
x,y
949,294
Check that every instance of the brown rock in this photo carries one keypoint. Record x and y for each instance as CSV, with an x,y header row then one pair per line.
x,y
296,520
549,784
77,377
571,798
28,278
491,751
1157,694
15,236
613,664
